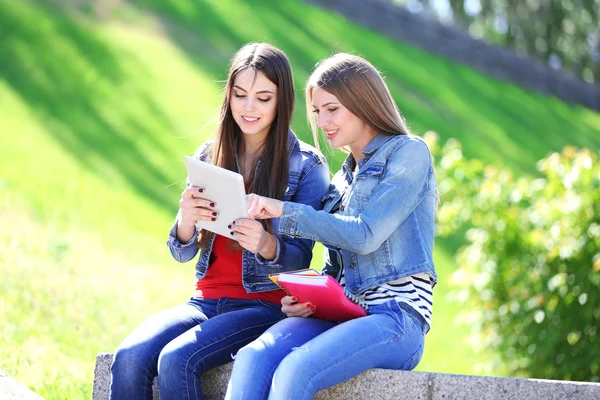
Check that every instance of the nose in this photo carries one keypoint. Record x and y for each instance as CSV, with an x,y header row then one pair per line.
x,y
249,104
322,121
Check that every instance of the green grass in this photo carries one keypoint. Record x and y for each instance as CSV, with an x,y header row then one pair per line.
x,y
99,105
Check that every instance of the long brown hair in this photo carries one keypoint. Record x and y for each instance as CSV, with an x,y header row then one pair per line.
x,y
360,88
271,178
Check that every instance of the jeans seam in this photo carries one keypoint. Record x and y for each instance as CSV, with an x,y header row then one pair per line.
x,y
210,344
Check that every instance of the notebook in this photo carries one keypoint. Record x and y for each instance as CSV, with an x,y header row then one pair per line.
x,y
333,301
225,188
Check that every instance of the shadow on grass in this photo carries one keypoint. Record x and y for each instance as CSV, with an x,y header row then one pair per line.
x,y
495,121
66,73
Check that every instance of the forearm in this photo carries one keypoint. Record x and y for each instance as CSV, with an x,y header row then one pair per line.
x,y
182,251
185,231
346,232
289,253
269,249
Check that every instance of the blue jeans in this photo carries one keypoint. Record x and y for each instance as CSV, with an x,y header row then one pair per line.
x,y
181,343
298,357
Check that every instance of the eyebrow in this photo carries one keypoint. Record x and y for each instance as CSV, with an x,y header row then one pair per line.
x,y
326,104
259,92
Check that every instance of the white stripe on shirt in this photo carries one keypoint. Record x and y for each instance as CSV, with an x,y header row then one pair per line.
x,y
414,290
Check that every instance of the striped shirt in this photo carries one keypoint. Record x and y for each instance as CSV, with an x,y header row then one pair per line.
x,y
414,290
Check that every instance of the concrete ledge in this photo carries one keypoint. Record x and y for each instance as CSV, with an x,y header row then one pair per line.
x,y
398,385
10,389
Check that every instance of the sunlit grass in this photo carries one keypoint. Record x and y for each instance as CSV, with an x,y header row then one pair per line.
x,y
98,108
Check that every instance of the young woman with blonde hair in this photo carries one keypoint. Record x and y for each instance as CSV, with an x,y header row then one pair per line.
x,y
378,225
234,301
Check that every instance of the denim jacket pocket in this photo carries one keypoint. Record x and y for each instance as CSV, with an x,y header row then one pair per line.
x,y
292,186
368,179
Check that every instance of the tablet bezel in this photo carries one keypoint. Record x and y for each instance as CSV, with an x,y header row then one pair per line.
x,y
225,188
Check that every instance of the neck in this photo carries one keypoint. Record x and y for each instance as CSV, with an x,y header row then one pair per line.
x,y
253,143
357,147
357,154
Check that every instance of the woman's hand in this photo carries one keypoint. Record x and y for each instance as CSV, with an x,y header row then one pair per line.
x,y
251,235
292,308
193,209
260,207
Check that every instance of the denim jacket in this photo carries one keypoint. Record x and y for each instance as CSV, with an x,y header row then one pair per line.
x,y
378,225
307,184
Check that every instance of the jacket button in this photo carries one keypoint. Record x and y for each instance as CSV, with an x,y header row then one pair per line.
x,y
352,265
342,207
355,289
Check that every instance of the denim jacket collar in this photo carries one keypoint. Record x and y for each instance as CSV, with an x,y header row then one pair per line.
x,y
350,164
375,144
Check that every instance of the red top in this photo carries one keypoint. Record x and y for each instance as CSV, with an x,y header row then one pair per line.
x,y
224,276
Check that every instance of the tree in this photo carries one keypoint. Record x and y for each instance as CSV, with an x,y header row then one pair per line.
x,y
565,34
529,275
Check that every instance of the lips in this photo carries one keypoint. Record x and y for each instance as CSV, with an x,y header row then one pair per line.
x,y
331,134
250,120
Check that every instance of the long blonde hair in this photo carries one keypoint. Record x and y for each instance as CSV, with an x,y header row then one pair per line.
x,y
358,85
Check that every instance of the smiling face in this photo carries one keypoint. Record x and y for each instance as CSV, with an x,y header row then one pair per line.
x,y
253,102
341,126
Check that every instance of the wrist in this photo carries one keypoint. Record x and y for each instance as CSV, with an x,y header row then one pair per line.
x,y
185,231
185,223
280,209
269,248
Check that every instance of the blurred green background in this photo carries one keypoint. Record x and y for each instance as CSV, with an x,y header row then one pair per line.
x,y
100,101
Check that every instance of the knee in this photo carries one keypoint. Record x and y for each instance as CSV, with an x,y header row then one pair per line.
x,y
170,362
249,355
293,370
129,361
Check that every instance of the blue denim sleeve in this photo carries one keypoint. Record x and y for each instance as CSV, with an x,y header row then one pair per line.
x,y
296,253
182,252
391,202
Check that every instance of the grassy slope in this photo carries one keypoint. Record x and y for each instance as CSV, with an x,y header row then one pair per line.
x,y
99,104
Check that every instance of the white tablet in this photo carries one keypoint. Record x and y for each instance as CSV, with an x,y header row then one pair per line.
x,y
225,188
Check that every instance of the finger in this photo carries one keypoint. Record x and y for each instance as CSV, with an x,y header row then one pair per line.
x,y
193,205
288,300
191,191
247,230
295,308
203,214
246,222
304,314
205,203
254,205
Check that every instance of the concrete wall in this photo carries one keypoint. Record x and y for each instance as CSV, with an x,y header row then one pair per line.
x,y
384,384
454,44
10,389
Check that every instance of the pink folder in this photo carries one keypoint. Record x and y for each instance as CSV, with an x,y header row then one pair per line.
x,y
333,302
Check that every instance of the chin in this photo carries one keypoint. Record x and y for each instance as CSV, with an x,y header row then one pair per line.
x,y
335,144
252,131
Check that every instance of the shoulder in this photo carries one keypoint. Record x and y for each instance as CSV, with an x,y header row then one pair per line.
x,y
306,150
408,149
203,152
305,154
